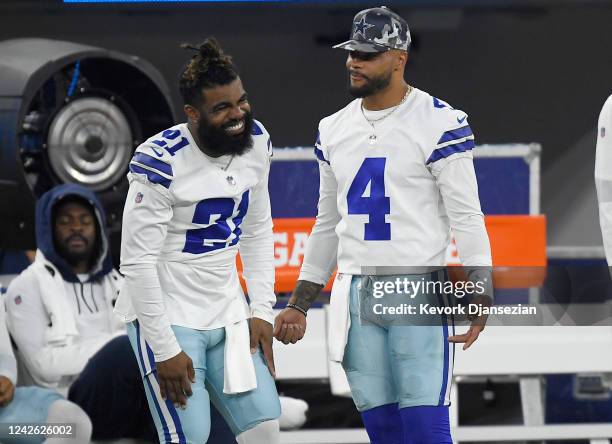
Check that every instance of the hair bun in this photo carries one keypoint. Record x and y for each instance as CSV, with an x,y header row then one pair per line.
x,y
210,49
209,66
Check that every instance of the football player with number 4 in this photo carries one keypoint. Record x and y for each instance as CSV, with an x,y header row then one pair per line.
x,y
198,193
396,172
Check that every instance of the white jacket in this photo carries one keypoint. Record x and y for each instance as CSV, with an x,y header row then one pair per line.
x,y
40,319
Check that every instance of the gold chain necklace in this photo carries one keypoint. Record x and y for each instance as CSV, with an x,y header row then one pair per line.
x,y
373,138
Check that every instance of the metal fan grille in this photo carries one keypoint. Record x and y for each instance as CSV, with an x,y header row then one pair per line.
x,y
90,142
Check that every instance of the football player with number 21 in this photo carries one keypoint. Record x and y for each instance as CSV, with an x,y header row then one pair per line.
x,y
198,193
396,172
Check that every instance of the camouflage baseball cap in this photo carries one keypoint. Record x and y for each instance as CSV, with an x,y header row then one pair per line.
x,y
377,30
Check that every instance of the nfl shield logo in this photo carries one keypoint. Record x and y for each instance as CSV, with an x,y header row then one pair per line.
x,y
603,131
18,299
139,197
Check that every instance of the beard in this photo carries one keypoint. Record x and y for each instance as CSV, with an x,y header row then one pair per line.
x,y
372,86
218,143
72,256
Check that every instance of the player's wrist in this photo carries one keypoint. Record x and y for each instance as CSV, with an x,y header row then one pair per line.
x,y
265,313
297,308
305,294
265,319
301,304
170,353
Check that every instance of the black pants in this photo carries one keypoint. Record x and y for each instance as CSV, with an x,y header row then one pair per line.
x,y
111,392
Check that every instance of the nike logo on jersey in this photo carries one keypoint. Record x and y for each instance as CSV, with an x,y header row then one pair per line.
x,y
157,153
461,119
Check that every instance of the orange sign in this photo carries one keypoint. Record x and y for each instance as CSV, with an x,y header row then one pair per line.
x,y
516,241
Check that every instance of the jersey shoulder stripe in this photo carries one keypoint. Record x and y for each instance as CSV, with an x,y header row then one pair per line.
x,y
155,170
318,151
320,155
448,131
151,176
455,134
151,162
257,129
449,150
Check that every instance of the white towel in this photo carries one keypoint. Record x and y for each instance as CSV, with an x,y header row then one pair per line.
x,y
63,330
339,317
113,282
239,372
52,290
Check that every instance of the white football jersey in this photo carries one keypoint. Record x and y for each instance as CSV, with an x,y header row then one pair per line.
x,y
186,215
388,202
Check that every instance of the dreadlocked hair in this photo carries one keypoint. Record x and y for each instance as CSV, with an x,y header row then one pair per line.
x,y
208,68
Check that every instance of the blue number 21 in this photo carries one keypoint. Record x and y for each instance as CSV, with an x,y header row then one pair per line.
x,y
217,234
377,205
171,135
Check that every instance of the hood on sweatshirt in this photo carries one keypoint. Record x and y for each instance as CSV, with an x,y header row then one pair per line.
x,y
45,212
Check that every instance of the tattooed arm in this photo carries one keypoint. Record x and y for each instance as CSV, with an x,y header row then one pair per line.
x,y
319,261
290,324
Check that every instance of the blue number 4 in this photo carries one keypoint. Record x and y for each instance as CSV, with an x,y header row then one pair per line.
x,y
218,232
377,205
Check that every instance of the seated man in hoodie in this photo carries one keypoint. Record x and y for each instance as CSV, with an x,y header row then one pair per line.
x,y
60,314
34,405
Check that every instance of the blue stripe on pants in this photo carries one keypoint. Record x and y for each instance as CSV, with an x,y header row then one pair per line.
x,y
151,391
171,426
445,370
